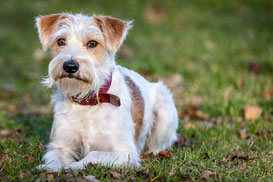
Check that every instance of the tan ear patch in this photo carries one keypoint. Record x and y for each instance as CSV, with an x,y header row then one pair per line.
x,y
113,30
137,109
46,27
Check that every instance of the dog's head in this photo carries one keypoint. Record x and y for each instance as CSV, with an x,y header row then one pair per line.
x,y
83,47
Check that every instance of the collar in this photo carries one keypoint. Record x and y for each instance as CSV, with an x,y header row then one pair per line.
x,y
101,97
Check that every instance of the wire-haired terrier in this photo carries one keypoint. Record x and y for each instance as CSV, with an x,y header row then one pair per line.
x,y
103,113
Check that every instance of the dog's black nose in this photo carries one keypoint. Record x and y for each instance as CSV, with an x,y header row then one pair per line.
x,y
70,66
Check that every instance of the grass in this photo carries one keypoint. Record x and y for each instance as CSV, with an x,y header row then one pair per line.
x,y
210,44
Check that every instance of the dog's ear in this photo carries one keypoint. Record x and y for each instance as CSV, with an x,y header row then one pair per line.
x,y
46,26
114,31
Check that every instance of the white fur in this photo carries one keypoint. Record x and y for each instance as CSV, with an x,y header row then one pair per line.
x,y
104,133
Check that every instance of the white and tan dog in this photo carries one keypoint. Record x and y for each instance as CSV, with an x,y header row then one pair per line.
x,y
103,113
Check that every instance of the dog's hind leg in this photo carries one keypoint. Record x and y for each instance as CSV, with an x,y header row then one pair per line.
x,y
162,132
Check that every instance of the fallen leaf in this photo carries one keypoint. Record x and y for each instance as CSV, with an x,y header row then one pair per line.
x,y
22,174
262,133
235,155
182,177
91,178
243,134
89,165
41,145
201,115
195,104
9,90
27,97
205,155
117,175
30,159
145,158
13,108
255,67
50,177
207,175
8,133
69,176
155,13
269,93
164,154
2,159
169,83
252,112
243,167
189,126
126,51
271,152
241,82
182,141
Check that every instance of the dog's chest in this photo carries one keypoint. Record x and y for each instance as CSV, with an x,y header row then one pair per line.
x,y
93,130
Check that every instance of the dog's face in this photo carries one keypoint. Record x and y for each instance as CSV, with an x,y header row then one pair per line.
x,y
83,49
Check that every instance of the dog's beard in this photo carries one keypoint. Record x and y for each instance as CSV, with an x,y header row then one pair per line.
x,y
74,87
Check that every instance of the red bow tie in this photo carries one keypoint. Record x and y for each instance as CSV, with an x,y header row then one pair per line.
x,y
101,97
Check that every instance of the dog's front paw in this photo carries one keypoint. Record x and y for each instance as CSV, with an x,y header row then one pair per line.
x,y
50,167
75,165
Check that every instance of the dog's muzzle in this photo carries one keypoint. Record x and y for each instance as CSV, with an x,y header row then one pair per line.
x,y
70,66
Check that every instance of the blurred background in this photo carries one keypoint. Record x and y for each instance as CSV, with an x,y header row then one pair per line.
x,y
217,51
215,55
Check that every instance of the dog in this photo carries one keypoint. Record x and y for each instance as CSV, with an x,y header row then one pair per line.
x,y
103,113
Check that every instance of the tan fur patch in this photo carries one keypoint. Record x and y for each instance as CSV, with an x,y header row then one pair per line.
x,y
137,109
47,26
113,30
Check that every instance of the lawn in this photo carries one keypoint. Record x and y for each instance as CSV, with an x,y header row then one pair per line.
x,y
216,56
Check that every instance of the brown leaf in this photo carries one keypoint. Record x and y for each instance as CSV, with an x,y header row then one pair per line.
x,y
235,155
41,145
117,175
168,83
126,51
69,177
263,133
241,82
13,109
89,165
252,112
243,134
27,97
255,67
164,154
50,177
155,13
22,174
243,167
201,115
271,152
269,93
189,126
8,90
182,177
30,159
2,159
182,141
8,133
205,155
207,175
195,104
91,178
145,158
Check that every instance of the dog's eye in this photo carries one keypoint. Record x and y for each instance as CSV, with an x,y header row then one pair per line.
x,y
61,42
92,44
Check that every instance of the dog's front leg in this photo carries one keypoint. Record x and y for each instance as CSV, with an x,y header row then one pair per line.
x,y
106,159
64,142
